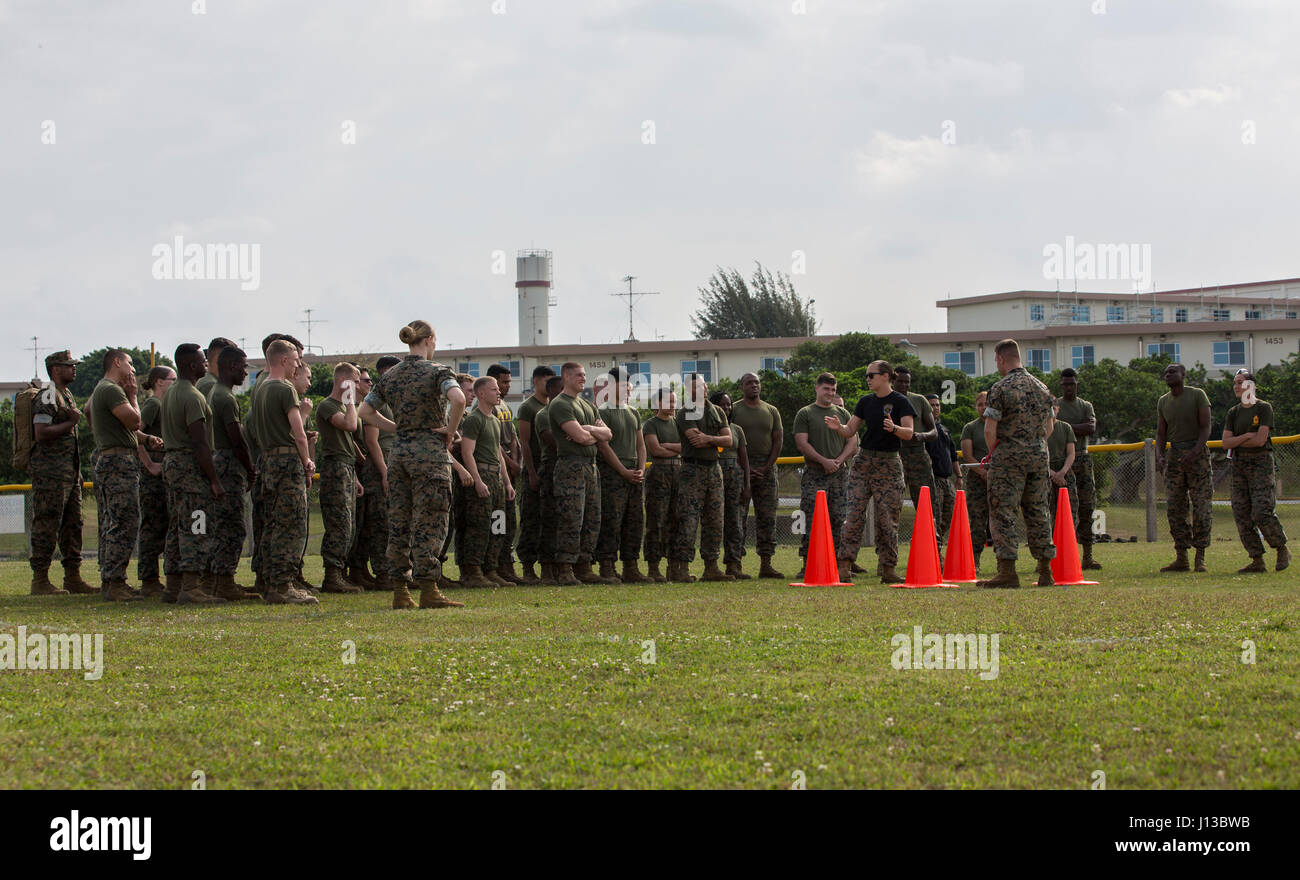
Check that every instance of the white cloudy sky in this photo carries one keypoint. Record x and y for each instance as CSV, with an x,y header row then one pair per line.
x,y
775,132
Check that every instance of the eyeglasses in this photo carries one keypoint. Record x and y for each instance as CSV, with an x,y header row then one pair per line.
x,y
871,376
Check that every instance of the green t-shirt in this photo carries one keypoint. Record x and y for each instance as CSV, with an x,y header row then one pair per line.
x,y
974,432
758,423
811,420
507,420
270,411
485,431
664,430
225,411
151,422
181,407
332,442
108,431
924,420
563,409
1248,419
624,422
737,443
711,421
1181,414
541,424
205,383
386,438
1062,435
528,411
1076,412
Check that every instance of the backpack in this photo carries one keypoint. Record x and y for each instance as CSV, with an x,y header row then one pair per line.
x,y
24,432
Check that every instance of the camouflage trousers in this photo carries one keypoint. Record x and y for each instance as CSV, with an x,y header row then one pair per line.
x,y
1189,490
117,504
338,508
530,520
876,477
546,509
1254,497
1053,500
512,523
661,487
282,484
153,524
941,502
733,517
622,517
918,471
1018,482
699,506
56,520
189,506
371,544
1086,490
763,492
576,487
419,504
454,539
835,485
226,524
484,528
259,521
977,508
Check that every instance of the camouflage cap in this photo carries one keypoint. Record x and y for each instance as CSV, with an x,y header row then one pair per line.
x,y
59,359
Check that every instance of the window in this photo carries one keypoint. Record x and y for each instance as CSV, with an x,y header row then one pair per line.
x,y
639,371
1157,315
1172,349
1290,316
1082,354
703,367
470,367
1254,315
514,367
1114,314
1036,313
1041,358
960,360
1229,353
558,368
1081,315
774,364
1180,316
1220,315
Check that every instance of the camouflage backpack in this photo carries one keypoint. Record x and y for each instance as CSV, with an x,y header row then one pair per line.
x,y
24,433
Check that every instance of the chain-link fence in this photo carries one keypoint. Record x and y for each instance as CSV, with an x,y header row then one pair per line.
x,y
1130,500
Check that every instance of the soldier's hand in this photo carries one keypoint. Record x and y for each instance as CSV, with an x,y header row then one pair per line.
x,y
74,415
833,422
154,469
831,465
129,386
361,490
887,424
635,476
218,491
466,479
304,406
312,435
510,491
481,489
761,471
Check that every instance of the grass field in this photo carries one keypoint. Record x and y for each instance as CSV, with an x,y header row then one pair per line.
x,y
752,684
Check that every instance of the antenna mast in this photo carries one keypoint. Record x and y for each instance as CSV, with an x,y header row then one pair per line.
x,y
631,298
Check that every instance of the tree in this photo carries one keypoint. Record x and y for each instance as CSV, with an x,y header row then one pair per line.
x,y
90,369
322,380
766,306
848,352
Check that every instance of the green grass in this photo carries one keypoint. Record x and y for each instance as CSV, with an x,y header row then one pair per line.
x,y
1140,677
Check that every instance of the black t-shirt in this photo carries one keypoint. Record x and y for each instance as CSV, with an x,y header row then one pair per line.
x,y
872,410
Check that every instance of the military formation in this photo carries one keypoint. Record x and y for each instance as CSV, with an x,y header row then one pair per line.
x,y
416,460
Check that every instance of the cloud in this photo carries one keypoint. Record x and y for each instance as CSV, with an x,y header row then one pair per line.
x,y
1188,99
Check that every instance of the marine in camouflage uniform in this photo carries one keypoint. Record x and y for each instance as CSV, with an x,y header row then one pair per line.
x,y
153,505
764,436
977,485
55,470
226,522
530,499
810,427
546,490
372,535
1080,412
1254,494
575,484
699,492
876,477
336,454
1189,485
1058,443
1022,407
484,542
622,500
661,488
733,513
117,487
188,490
509,445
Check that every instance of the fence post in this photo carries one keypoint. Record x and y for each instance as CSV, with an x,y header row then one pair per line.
x,y
1149,462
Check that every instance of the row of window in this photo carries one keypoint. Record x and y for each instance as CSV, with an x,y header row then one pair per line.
x,y
1227,353
1152,315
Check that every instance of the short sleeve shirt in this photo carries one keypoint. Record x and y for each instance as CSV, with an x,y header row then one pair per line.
x,y
566,408
507,420
528,411
758,423
738,442
485,431
542,425
181,407
1062,436
711,421
872,410
1022,406
1076,412
974,432
225,411
1248,419
811,420
663,430
333,442
271,403
1182,414
624,423
108,430
150,415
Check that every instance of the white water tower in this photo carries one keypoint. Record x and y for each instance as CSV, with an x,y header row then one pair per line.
x,y
533,287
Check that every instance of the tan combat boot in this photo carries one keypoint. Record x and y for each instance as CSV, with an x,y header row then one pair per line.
x,y
854,568
119,591
529,576
888,575
192,592
506,571
303,584
471,578
765,569
1199,564
653,572
431,597
224,587
1005,578
564,576
494,577
73,582
1045,578
42,585
736,571
713,573
631,574
334,582
1180,561
1256,564
289,594
402,600
844,572
582,571
171,588
359,576
608,573
151,586
679,572
1283,558
383,581
1088,563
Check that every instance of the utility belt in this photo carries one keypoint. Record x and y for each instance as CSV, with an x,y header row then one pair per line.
x,y
667,461
1183,445
281,450
879,453
700,462
116,450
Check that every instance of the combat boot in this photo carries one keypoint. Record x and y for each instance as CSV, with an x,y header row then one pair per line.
x,y
471,578
608,573
529,576
73,581
444,582
1199,564
548,573
582,571
713,573
631,574
334,582
1006,576
1180,561
224,587
151,586
192,592
888,575
736,571
383,581
506,571
119,591
288,594
679,572
854,568
360,577
431,597
564,576
1256,564
1283,558
653,572
1045,578
1088,563
42,586
494,577
765,569
171,589
844,571
305,585
402,600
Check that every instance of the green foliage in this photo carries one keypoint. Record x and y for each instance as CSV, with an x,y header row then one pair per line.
x,y
850,351
8,474
90,369
766,306
322,380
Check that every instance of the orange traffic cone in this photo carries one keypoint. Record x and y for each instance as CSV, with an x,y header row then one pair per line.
x,y
959,562
1067,571
821,569
923,556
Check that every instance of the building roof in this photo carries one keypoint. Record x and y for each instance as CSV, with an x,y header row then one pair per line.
x,y
1055,331
1190,294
